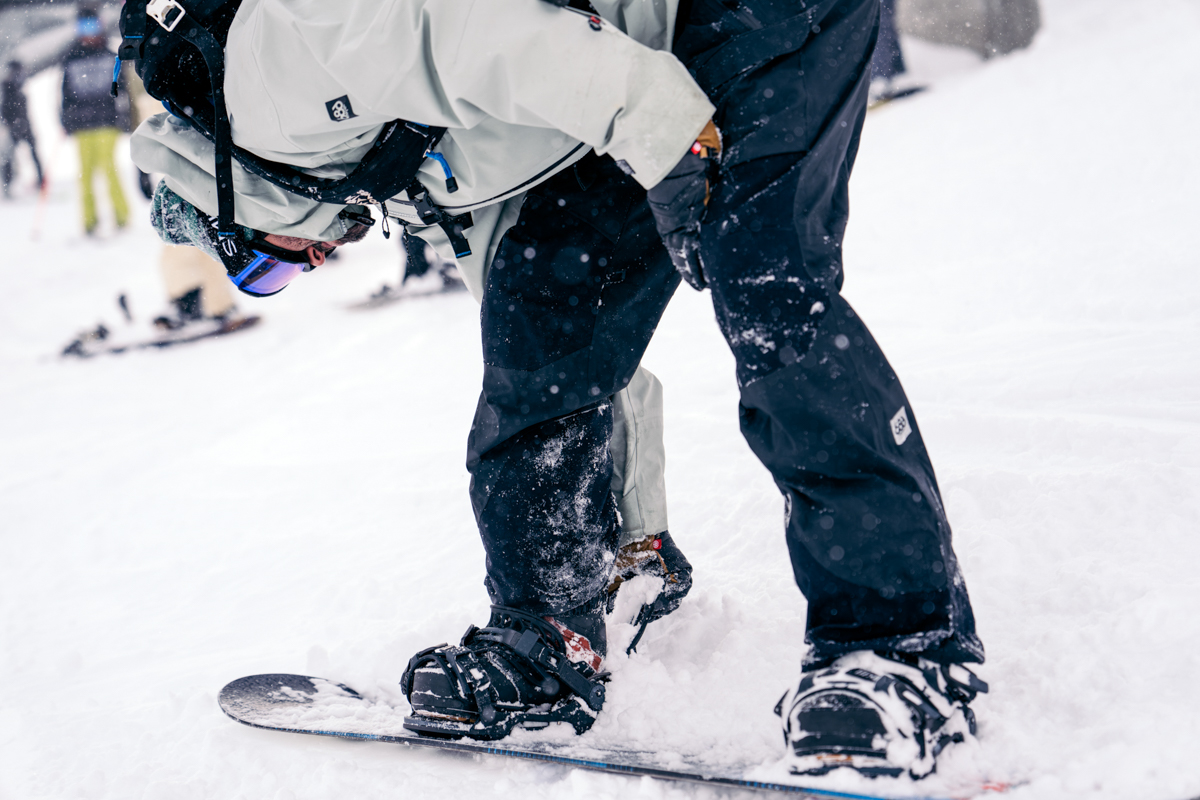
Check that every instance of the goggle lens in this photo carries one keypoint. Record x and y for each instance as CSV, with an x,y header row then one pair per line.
x,y
266,275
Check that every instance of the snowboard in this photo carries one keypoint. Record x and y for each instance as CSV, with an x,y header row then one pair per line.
x,y
99,342
387,294
299,704
898,94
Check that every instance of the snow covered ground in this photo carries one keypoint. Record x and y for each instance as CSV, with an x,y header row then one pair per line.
x,y
1024,244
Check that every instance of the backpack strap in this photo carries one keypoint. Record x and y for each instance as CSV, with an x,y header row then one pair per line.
x,y
222,137
387,168
418,209
133,31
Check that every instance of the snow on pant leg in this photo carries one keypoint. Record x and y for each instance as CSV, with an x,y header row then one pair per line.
x,y
88,161
572,298
820,406
639,458
186,268
637,445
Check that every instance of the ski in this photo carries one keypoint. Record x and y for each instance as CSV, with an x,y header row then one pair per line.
x,y
319,707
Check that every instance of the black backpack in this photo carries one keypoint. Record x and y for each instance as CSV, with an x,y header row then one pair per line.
x,y
178,50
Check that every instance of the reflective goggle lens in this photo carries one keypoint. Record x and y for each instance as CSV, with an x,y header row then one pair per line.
x,y
266,275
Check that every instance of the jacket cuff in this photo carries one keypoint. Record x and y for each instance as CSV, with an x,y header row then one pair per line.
x,y
656,131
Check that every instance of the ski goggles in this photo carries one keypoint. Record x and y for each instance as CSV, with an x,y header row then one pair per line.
x,y
272,268
267,273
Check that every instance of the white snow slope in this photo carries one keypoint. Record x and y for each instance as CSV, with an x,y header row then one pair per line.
x,y
1024,244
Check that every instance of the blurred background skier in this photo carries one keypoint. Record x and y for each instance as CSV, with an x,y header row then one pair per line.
x,y
422,272
93,117
14,114
422,265
889,73
198,290
199,293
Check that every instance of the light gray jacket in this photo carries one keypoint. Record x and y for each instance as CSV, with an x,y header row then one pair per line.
x,y
523,87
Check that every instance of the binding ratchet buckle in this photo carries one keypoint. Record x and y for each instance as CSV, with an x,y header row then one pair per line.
x,y
166,13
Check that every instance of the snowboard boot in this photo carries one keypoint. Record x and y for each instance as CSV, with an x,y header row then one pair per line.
x,y
187,310
451,278
658,557
521,670
878,714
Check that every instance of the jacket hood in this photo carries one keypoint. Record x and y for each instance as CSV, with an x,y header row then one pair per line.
x,y
167,145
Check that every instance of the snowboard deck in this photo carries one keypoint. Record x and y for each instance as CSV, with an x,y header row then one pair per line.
x,y
94,343
319,707
898,94
387,295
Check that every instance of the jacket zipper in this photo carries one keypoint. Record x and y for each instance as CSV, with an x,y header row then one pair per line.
x,y
520,186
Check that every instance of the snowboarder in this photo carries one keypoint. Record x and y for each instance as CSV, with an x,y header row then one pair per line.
x,y
92,116
420,259
889,73
580,141
15,116
197,290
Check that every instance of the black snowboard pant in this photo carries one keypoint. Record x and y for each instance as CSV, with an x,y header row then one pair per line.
x,y
19,131
889,57
580,282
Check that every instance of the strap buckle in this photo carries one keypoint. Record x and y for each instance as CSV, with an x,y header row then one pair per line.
x,y
166,13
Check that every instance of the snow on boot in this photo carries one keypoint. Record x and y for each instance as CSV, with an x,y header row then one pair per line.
x,y
878,714
520,671
655,556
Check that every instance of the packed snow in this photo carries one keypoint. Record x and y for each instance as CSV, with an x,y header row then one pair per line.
x,y
1024,245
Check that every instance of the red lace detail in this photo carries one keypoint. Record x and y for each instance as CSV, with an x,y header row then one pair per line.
x,y
579,649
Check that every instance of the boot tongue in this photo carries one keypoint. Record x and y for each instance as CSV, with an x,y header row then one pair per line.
x,y
579,647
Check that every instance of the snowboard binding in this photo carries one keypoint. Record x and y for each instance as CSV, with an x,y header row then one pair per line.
x,y
514,673
880,714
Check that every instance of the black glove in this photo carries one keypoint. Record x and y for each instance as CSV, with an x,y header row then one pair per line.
x,y
678,203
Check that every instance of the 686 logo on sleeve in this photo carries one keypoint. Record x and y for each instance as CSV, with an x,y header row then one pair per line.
x,y
340,109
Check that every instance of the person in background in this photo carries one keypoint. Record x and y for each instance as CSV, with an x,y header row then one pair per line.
x,y
92,116
15,115
889,73
420,258
141,107
198,290
197,287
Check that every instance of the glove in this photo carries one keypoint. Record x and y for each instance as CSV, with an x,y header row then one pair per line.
x,y
678,203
